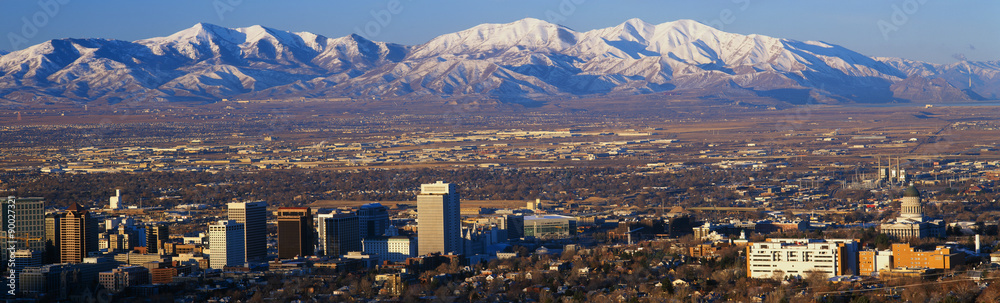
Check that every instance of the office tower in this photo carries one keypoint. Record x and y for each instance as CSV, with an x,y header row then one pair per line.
x,y
156,235
253,215
124,237
373,219
321,216
226,243
78,234
320,220
340,234
115,201
24,258
111,224
52,252
29,222
116,242
76,229
295,232
438,219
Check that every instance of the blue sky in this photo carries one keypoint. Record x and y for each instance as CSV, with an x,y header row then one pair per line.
x,y
928,30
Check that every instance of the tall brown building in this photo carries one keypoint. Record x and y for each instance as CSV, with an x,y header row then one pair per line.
x,y
78,234
295,232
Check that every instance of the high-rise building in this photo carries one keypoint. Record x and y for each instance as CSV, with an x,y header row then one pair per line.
x,y
320,220
295,232
24,258
52,252
438,219
340,234
226,243
78,234
111,224
156,235
373,219
121,241
115,201
253,215
29,225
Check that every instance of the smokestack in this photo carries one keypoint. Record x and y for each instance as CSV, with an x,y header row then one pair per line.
x,y
977,244
879,176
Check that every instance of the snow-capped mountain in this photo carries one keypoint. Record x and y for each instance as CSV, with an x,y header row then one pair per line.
x,y
528,58
980,80
201,63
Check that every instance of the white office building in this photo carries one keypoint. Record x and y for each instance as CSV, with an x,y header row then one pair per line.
x,y
115,201
438,219
395,249
226,244
797,257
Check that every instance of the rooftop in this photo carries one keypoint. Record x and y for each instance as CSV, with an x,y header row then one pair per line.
x,y
542,217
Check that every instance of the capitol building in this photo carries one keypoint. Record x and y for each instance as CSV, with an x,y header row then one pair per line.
x,y
911,222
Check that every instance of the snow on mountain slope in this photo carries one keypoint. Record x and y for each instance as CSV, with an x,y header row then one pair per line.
x,y
204,62
640,58
978,79
492,40
528,58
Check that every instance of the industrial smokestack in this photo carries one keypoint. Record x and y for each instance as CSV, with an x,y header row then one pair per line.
x,y
977,244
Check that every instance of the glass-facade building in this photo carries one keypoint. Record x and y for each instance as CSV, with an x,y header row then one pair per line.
x,y
548,227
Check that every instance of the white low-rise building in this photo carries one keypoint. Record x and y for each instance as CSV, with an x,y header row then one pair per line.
x,y
798,257
395,249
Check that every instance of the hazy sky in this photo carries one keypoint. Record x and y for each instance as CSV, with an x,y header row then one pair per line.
x,y
928,30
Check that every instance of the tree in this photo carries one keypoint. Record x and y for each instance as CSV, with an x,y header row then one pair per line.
x,y
882,241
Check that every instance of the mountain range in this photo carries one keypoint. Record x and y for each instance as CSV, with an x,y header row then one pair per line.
x,y
528,59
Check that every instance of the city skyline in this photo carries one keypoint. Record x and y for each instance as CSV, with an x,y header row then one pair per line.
x,y
501,151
